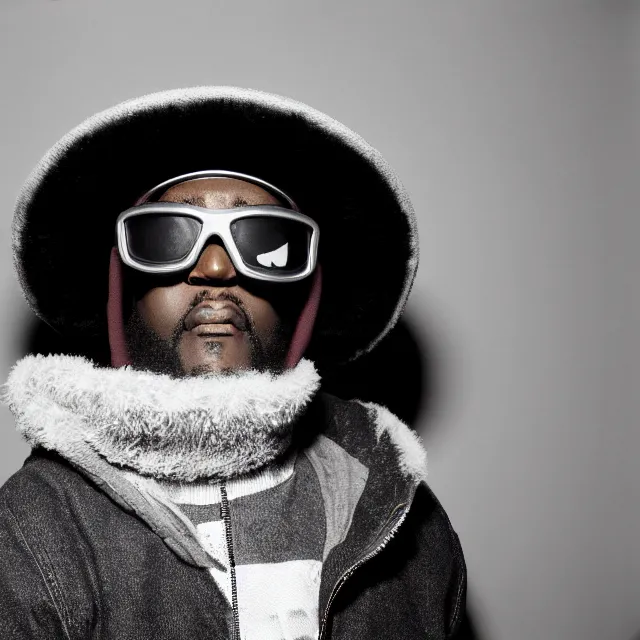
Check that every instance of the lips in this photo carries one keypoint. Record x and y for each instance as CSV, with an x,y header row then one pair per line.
x,y
219,317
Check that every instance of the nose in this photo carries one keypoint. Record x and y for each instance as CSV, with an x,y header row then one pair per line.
x,y
214,263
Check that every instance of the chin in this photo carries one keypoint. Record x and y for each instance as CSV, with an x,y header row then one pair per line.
x,y
209,371
218,367
214,356
215,360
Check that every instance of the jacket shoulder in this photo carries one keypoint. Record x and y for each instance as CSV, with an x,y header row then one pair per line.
x,y
446,557
369,429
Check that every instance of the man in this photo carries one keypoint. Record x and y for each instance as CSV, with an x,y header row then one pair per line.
x,y
199,484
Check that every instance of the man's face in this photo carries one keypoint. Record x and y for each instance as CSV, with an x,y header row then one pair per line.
x,y
209,318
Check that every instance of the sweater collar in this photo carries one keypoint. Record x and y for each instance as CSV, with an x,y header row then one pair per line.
x,y
206,427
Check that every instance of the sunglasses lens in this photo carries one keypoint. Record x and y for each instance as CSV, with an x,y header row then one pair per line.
x,y
161,238
272,244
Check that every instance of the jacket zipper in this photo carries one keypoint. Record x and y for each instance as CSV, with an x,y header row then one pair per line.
x,y
226,517
347,574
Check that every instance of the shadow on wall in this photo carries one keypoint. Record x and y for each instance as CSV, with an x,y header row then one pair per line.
x,y
401,373
468,630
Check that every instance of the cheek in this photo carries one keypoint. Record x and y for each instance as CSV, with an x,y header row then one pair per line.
x,y
265,317
161,309
276,308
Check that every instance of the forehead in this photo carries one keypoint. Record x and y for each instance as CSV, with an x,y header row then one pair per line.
x,y
218,193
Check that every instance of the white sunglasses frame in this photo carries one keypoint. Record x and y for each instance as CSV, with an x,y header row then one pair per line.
x,y
216,222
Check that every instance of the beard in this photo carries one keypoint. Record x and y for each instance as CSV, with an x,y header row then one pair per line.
x,y
150,352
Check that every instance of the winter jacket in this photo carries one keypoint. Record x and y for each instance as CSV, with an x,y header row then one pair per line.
x,y
79,561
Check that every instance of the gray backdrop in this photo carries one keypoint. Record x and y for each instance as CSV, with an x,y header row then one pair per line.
x,y
514,128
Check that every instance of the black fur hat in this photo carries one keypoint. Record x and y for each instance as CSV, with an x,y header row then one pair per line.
x,y
65,215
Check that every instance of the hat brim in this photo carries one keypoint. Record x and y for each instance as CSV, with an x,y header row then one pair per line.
x,y
63,227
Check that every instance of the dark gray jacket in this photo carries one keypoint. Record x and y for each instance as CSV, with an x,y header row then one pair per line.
x,y
76,562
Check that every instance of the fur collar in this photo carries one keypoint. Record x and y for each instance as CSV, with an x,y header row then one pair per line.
x,y
175,429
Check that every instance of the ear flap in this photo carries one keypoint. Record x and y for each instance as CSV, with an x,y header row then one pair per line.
x,y
115,313
304,328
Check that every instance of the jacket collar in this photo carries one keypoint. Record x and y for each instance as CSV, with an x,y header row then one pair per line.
x,y
397,464
184,429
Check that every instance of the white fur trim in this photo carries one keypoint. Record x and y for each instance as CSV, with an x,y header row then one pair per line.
x,y
178,429
412,456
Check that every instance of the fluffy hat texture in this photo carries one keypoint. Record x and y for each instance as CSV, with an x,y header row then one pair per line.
x,y
63,227
179,429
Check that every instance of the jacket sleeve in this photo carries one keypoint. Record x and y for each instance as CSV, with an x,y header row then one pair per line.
x,y
457,593
31,606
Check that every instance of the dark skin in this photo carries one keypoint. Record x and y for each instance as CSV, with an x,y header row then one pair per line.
x,y
210,319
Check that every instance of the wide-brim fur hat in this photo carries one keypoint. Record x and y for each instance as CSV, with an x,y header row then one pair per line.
x,y
64,222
